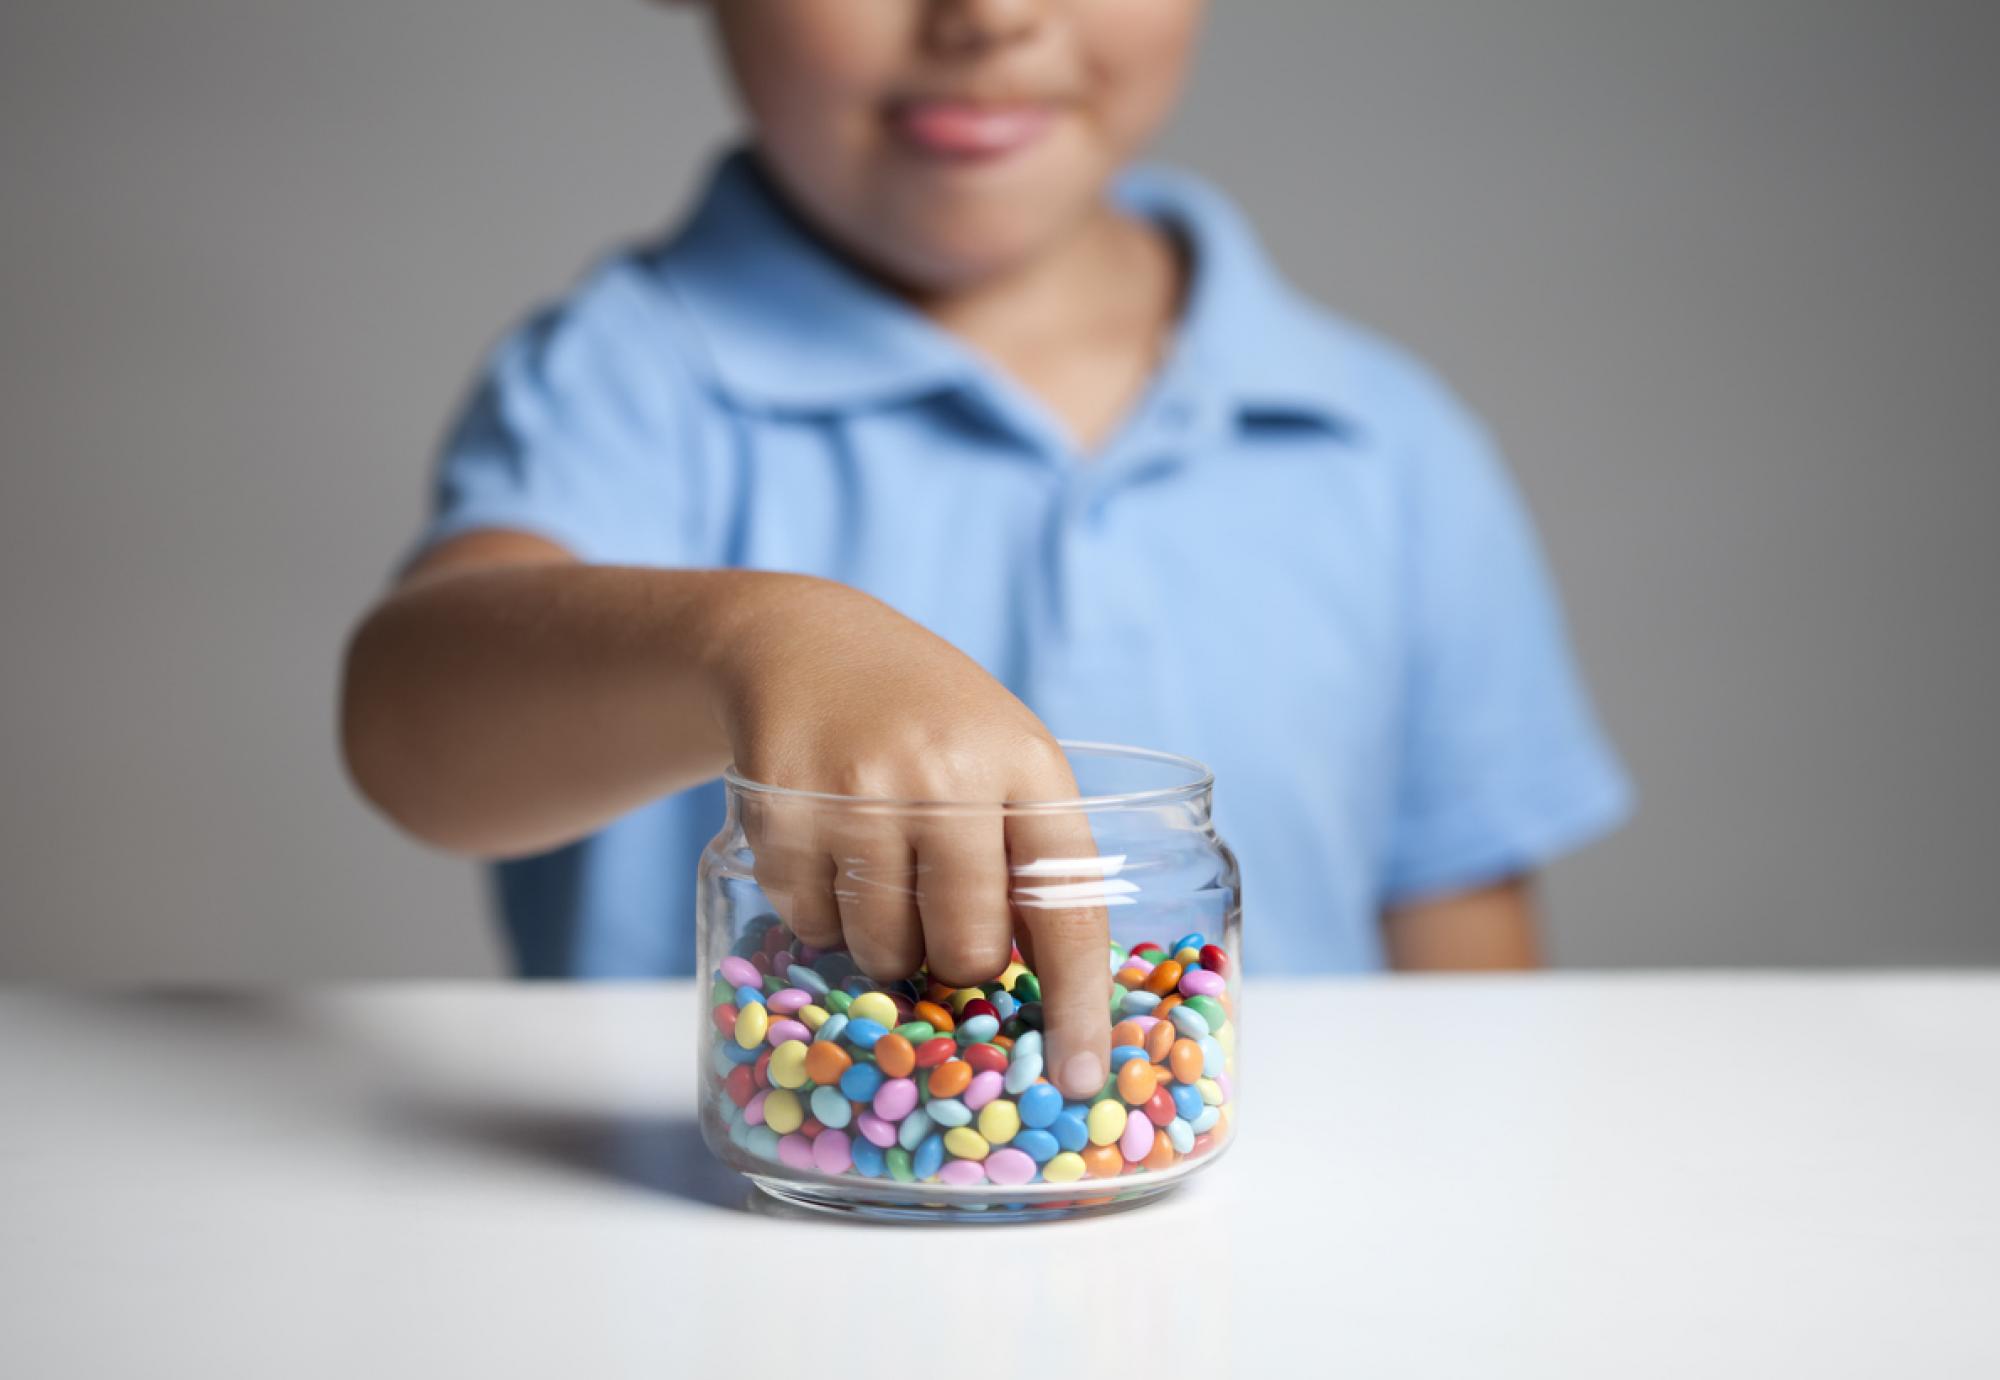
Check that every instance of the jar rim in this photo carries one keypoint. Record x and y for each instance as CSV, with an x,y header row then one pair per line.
x,y
1199,781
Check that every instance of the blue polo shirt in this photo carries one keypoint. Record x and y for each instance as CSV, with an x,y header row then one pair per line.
x,y
1299,559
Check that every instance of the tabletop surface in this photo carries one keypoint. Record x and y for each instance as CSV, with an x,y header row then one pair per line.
x,y
1542,1176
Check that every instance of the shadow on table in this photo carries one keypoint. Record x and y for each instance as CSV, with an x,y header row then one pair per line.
x,y
658,1154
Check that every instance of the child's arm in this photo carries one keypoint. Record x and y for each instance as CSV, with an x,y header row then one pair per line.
x,y
506,698
1491,929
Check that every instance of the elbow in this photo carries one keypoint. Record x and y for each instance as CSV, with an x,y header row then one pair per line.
x,y
383,740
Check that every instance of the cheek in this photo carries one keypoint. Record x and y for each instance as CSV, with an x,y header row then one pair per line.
x,y
1138,52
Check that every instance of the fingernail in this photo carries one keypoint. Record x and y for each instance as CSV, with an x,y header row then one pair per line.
x,y
1083,1073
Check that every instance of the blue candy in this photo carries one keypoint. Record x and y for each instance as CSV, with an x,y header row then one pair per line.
x,y
1042,1104
1209,1116
1122,1055
746,995
802,976
1189,1022
739,1055
861,1082
832,1028
928,1157
1139,1002
915,1127
1180,1135
1039,1146
1211,1056
1070,1131
1187,1101
1004,1004
862,1033
1189,941
949,1111
829,1108
869,1161
977,1030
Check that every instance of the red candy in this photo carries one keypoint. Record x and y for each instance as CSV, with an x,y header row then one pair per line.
x,y
985,1058
1215,960
740,1085
1160,1107
978,1006
931,1053
763,1068
724,1017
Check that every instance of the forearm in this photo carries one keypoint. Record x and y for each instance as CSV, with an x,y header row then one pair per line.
x,y
1490,929
499,711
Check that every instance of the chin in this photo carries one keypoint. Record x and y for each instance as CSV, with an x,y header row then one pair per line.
x,y
958,245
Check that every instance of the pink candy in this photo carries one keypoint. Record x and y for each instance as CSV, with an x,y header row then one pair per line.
x,y
1138,1137
782,1031
955,1172
788,1001
1009,1166
741,972
796,1151
873,1129
753,1110
1199,982
831,1152
897,1098
983,1089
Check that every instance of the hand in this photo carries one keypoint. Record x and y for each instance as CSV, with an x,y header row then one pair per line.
x,y
834,692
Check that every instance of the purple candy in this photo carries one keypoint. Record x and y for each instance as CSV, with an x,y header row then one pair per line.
x,y
897,1098
753,1110
874,1130
782,1031
788,1001
796,1150
806,953
1199,982
1144,1022
959,1173
1009,1166
831,1153
1138,1137
985,1086
1228,1092
738,971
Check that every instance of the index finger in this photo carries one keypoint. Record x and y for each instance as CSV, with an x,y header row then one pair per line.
x,y
1057,896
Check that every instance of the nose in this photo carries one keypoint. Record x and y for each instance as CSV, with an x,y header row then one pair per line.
x,y
964,28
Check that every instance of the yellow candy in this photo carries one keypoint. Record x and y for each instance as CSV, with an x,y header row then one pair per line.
x,y
961,997
1064,1168
999,1122
752,1023
1013,971
1210,1090
875,1006
966,1143
812,1017
788,1064
1187,956
1226,1037
1106,1121
783,1112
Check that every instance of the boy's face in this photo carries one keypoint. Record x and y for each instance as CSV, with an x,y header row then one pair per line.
x,y
944,142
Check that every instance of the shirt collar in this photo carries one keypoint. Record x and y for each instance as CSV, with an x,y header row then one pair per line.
x,y
785,325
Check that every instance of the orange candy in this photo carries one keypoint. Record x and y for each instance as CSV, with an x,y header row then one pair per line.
x,y
1161,1156
826,1061
1185,1060
1127,1033
1103,1161
1167,1003
940,1019
895,1056
1136,1081
950,1078
1166,976
1159,1040
1131,977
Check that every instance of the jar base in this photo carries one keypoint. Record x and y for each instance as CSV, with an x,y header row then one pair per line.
x,y
925,1204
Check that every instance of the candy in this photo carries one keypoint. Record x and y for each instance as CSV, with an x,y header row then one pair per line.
x,y
817,1068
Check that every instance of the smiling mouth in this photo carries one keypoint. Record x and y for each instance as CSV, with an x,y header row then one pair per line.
x,y
968,131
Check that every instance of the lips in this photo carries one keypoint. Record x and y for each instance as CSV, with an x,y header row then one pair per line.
x,y
967,130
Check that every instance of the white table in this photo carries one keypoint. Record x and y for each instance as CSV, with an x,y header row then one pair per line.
x,y
1549,1176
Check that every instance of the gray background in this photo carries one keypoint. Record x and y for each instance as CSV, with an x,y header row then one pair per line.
x,y
1721,275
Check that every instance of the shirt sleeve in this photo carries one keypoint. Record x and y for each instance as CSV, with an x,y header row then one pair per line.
x,y
1503,763
580,429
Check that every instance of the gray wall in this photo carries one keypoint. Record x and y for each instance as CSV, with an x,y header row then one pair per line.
x,y
1721,275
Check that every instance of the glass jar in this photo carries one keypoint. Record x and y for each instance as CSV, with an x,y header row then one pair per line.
x,y
916,1098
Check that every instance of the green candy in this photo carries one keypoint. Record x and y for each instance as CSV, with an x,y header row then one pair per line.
x,y
720,991
837,1002
773,984
1152,953
899,1166
1210,1010
916,1032
1027,988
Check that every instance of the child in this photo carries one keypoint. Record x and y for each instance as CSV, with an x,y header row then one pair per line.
x,y
935,433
